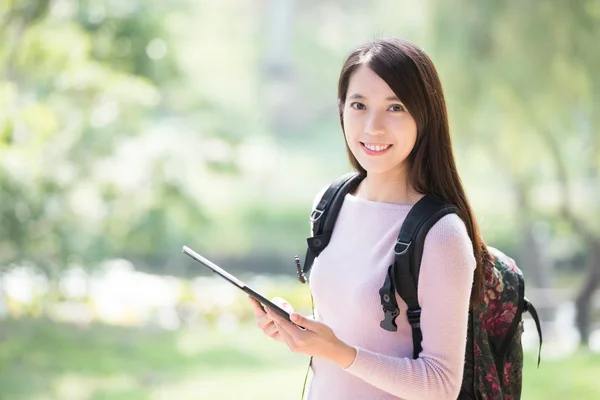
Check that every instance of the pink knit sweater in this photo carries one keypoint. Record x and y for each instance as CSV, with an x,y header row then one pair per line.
x,y
345,283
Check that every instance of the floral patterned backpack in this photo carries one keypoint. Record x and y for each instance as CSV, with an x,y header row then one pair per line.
x,y
494,354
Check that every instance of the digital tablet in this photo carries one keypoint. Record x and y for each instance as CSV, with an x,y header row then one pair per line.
x,y
236,282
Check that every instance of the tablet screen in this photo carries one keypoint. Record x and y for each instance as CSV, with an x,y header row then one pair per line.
x,y
214,267
235,281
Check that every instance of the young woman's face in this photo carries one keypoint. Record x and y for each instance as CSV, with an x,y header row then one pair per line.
x,y
379,130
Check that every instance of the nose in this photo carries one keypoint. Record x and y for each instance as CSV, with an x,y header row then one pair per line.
x,y
374,125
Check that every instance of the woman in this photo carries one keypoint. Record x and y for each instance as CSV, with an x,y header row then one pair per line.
x,y
394,119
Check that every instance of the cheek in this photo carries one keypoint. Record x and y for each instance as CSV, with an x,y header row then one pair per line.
x,y
352,126
412,132
406,129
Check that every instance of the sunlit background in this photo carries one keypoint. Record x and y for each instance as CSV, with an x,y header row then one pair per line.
x,y
131,128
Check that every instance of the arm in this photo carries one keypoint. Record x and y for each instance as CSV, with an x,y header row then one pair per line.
x,y
444,290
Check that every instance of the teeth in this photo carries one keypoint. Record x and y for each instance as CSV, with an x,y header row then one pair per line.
x,y
373,147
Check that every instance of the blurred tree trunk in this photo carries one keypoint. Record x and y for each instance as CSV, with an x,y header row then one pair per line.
x,y
277,65
589,237
20,16
280,15
533,260
586,293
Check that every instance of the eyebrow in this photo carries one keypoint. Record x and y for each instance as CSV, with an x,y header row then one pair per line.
x,y
358,96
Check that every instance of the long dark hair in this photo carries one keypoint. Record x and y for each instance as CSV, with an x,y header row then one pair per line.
x,y
411,75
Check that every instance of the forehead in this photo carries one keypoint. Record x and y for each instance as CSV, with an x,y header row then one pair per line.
x,y
366,82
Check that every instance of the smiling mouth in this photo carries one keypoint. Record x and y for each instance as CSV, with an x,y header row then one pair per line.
x,y
375,148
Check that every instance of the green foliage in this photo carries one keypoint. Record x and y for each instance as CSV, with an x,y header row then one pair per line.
x,y
78,80
119,122
522,81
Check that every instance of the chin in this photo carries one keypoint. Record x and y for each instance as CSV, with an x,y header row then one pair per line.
x,y
375,169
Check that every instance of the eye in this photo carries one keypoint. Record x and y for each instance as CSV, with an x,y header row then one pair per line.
x,y
358,106
396,108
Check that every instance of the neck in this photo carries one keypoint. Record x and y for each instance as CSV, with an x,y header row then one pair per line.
x,y
388,188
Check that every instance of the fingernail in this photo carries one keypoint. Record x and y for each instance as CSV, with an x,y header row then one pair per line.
x,y
294,317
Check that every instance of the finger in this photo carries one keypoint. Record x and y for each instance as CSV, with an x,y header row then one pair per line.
x,y
285,337
264,321
297,322
283,324
270,329
283,304
259,311
306,323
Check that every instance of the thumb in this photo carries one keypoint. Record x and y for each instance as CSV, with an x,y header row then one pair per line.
x,y
304,322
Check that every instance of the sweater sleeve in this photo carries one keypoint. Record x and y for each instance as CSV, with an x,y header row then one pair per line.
x,y
445,283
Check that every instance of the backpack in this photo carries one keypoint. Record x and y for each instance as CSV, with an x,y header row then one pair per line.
x,y
494,353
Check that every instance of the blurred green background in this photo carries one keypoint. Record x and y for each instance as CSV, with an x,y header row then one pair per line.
x,y
131,128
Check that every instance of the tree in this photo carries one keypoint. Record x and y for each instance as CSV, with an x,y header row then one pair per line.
x,y
77,81
527,79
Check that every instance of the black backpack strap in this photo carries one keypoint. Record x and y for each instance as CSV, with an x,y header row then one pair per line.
x,y
531,310
324,215
323,219
403,274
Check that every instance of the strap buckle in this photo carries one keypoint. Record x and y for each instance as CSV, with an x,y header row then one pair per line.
x,y
389,320
301,276
414,317
315,215
401,251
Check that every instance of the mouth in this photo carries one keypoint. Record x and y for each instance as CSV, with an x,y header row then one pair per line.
x,y
374,149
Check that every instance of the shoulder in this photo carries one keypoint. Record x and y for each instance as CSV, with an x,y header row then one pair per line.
x,y
449,228
449,240
448,259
